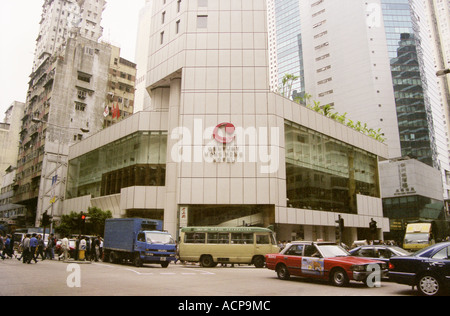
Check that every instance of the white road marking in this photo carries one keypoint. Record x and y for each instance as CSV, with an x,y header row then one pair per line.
x,y
192,271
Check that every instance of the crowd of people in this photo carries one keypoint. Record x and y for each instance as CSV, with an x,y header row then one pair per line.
x,y
32,246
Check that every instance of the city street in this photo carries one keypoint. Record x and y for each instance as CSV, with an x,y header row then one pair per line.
x,y
103,279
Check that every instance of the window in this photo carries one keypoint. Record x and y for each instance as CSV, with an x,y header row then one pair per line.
x,y
195,238
202,21
177,27
321,46
365,252
81,94
324,81
323,69
89,51
322,57
262,240
442,254
242,238
162,38
141,237
319,24
80,106
84,77
295,250
163,17
138,160
218,238
383,253
309,152
311,251
325,93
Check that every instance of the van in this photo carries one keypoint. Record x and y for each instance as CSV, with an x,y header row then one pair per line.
x,y
418,236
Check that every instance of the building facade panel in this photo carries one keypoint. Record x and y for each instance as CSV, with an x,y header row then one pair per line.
x,y
227,158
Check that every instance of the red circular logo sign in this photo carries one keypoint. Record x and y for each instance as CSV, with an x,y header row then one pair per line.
x,y
229,130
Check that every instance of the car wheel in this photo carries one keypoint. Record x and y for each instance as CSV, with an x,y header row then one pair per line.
x,y
428,285
339,277
259,262
164,264
283,272
112,257
207,261
137,260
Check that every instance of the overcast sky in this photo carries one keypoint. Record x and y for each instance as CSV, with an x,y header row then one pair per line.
x,y
19,27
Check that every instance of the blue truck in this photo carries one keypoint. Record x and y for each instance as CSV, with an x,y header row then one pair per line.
x,y
139,241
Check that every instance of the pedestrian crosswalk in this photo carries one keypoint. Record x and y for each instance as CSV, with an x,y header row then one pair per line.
x,y
145,271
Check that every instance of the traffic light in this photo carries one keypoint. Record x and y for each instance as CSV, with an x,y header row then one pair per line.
x,y
373,226
340,223
339,226
46,219
82,222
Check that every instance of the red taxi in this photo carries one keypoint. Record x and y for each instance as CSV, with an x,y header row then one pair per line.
x,y
324,260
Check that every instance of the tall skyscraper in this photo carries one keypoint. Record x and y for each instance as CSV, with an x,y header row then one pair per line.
x,y
65,101
419,113
411,37
347,66
59,17
142,98
376,62
288,38
439,15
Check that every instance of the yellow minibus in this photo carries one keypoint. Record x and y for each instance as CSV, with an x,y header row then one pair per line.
x,y
236,245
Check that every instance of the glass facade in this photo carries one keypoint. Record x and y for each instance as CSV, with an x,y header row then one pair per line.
x,y
413,207
135,160
413,105
325,174
289,42
231,215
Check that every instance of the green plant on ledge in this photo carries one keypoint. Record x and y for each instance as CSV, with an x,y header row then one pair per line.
x,y
328,110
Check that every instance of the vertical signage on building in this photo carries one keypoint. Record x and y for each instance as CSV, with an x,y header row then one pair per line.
x,y
404,187
183,217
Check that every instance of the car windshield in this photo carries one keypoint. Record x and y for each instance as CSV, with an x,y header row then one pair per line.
x,y
412,238
400,251
332,251
159,238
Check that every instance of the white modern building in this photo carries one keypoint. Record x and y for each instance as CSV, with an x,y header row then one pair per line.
x,y
346,63
142,100
219,148
376,61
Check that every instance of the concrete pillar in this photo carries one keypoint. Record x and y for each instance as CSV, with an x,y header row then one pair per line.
x,y
172,170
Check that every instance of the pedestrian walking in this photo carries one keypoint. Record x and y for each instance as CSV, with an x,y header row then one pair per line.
x,y
8,249
26,249
88,248
50,250
40,247
2,247
33,247
82,249
92,248
97,248
65,248
77,246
